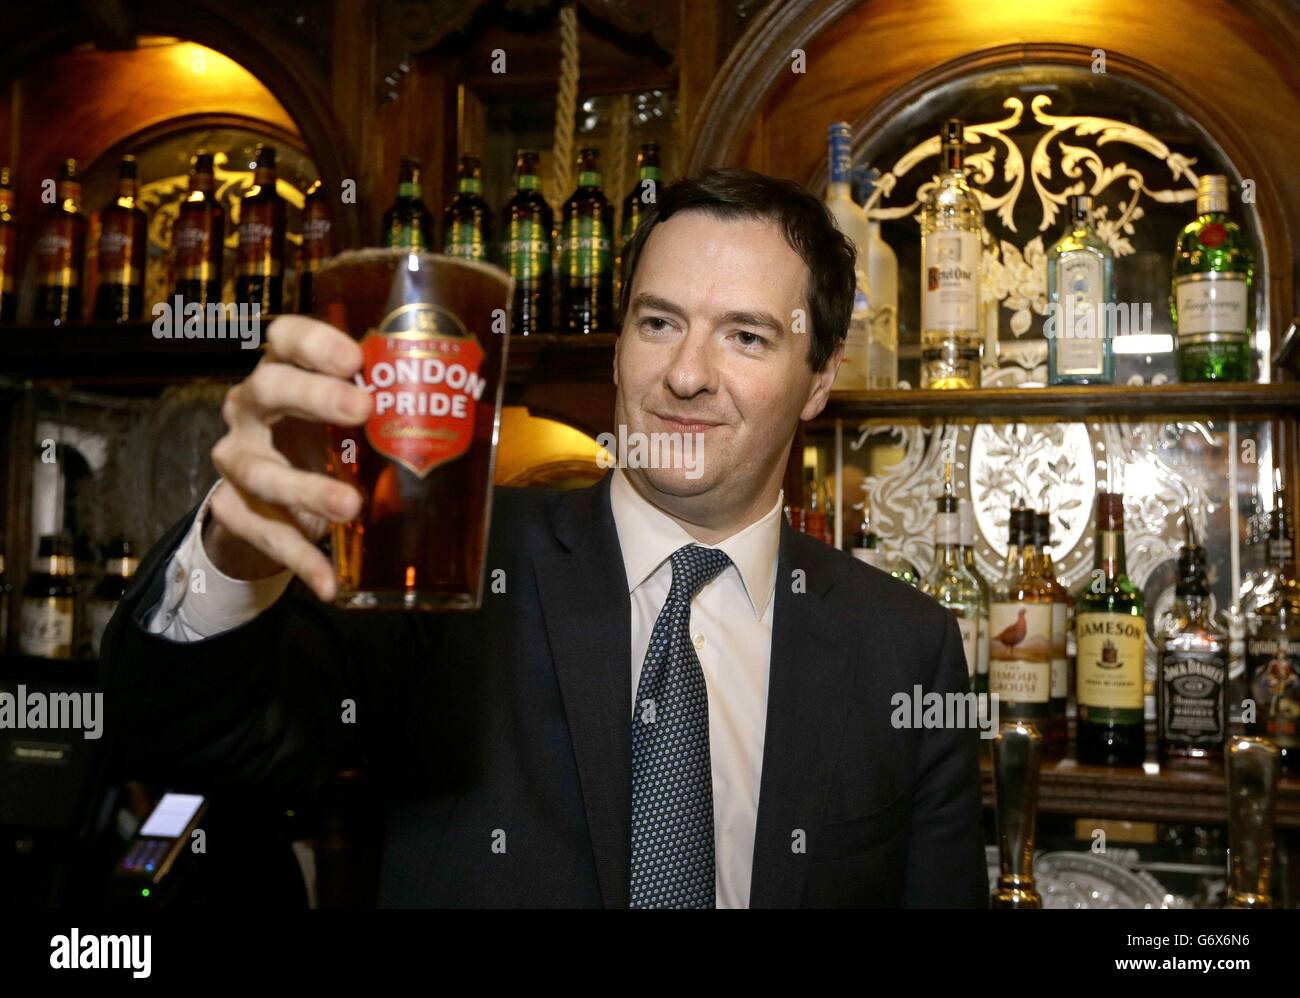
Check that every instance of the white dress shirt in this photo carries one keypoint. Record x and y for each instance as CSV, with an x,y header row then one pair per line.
x,y
731,623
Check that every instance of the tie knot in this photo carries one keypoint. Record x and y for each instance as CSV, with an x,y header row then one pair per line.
x,y
693,568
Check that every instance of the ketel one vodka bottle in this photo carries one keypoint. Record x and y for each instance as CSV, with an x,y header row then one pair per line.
x,y
316,244
951,221
260,256
1273,649
1110,671
8,243
527,225
199,237
1080,286
950,582
1214,269
586,253
1060,622
1192,676
407,222
61,252
47,617
850,219
1020,639
123,237
468,219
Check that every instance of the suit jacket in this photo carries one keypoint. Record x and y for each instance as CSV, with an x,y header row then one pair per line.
x,y
503,737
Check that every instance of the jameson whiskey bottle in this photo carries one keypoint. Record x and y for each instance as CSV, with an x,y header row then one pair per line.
x,y
1020,637
260,256
951,221
61,252
1060,692
1111,640
966,514
49,601
1080,286
586,256
316,245
1273,648
468,219
118,570
123,238
407,223
1192,676
1214,270
950,581
198,238
526,234
8,244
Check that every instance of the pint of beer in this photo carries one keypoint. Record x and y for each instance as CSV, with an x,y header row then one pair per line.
x,y
433,331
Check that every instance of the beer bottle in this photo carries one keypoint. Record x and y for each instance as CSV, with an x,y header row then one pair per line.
x,y
198,238
468,228
526,224
61,252
315,243
408,224
586,256
46,625
260,256
8,258
119,567
644,193
123,237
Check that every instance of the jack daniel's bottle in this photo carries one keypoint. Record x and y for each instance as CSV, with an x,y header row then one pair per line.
x,y
1273,648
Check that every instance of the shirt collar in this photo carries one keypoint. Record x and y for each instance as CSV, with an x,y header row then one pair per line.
x,y
648,536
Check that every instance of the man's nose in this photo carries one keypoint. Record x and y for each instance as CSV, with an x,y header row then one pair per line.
x,y
693,366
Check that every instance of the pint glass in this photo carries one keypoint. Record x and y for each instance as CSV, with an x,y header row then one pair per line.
x,y
433,331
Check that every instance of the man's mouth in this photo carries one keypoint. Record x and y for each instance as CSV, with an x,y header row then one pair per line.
x,y
686,424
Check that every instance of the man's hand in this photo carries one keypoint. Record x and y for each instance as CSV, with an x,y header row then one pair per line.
x,y
274,503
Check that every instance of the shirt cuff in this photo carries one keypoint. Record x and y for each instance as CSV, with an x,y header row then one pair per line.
x,y
199,600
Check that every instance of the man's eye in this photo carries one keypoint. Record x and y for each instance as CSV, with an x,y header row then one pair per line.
x,y
655,324
749,339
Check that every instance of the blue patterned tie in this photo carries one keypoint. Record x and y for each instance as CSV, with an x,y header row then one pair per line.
x,y
672,783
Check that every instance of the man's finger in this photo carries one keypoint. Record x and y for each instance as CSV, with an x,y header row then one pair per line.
x,y
314,345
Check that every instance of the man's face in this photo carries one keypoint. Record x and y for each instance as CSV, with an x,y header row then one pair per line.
x,y
715,343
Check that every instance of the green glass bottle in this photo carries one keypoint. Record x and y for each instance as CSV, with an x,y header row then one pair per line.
x,y
468,219
644,192
586,253
526,236
1110,624
407,223
1214,272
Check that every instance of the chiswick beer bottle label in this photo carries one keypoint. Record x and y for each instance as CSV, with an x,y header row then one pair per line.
x,y
422,369
526,250
587,249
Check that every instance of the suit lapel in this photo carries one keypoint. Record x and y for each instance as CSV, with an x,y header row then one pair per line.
x,y
588,617
809,681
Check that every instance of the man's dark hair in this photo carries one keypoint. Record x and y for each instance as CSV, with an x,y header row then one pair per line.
x,y
808,226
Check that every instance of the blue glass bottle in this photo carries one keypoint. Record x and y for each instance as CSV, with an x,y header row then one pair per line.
x,y
1081,303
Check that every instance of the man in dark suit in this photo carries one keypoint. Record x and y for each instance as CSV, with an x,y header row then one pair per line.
x,y
676,701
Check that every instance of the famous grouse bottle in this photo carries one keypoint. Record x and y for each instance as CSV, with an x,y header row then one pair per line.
x,y
61,253
260,256
123,238
198,238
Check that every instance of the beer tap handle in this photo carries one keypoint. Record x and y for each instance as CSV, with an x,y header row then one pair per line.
x,y
1017,751
1254,765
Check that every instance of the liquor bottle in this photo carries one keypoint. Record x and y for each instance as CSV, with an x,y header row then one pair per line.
x,y
966,512
1111,666
467,218
950,582
882,280
199,238
316,245
851,220
1192,678
1020,635
260,256
1080,286
586,256
6,594
1273,647
123,239
816,522
407,222
118,569
526,247
1214,271
865,545
644,192
8,246
61,253
49,601
1060,683
951,221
